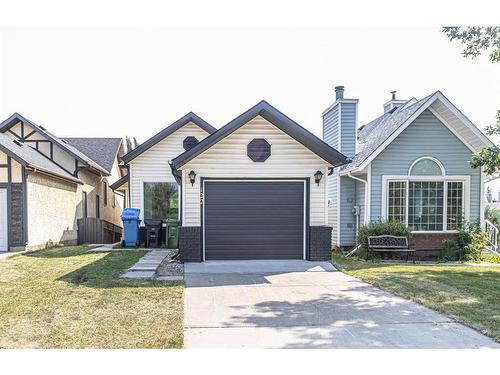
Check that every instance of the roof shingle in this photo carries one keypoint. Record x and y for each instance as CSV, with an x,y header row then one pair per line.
x,y
103,151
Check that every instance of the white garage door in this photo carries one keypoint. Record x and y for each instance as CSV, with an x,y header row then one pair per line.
x,y
3,220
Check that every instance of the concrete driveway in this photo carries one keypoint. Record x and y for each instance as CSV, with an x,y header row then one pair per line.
x,y
298,304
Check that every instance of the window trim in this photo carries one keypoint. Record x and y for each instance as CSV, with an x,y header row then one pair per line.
x,y
97,206
445,179
443,171
85,208
155,180
105,193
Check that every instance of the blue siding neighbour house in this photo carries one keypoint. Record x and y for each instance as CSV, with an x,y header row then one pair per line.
x,y
411,164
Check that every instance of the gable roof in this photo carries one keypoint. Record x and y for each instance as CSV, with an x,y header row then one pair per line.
x,y
375,136
101,150
190,117
278,119
29,157
80,156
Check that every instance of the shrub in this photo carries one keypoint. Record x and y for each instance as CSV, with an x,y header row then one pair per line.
x,y
468,246
491,258
380,228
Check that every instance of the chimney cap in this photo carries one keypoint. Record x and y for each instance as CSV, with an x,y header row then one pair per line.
x,y
393,95
339,92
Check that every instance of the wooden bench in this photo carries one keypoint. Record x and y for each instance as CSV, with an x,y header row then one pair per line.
x,y
388,243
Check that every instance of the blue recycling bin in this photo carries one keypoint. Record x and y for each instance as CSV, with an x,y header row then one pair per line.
x,y
131,222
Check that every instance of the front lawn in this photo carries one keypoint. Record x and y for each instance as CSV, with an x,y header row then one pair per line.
x,y
67,298
469,294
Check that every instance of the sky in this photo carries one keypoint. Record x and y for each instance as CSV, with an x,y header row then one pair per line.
x,y
113,82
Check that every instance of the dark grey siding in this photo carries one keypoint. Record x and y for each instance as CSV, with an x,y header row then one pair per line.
x,y
254,220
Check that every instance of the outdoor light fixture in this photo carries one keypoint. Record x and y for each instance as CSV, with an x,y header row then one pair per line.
x,y
192,177
318,176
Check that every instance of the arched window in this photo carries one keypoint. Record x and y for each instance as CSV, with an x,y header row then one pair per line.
x,y
426,166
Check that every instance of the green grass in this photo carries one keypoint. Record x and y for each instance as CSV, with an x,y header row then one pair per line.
x,y
469,294
67,298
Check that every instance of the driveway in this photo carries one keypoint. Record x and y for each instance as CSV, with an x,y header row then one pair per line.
x,y
298,304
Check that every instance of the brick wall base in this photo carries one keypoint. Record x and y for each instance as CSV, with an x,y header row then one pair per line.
x,y
429,245
320,239
190,244
430,241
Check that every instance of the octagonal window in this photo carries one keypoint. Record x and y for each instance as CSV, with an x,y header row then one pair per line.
x,y
259,150
189,142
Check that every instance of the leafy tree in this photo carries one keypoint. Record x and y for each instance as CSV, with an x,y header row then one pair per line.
x,y
131,143
477,40
489,195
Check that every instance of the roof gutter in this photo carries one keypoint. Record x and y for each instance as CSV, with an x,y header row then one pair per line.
x,y
177,175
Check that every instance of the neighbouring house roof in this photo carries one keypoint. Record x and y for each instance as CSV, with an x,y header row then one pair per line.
x,y
190,117
29,157
101,150
119,183
379,133
16,117
278,119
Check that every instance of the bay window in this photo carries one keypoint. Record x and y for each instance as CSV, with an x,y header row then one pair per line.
x,y
426,200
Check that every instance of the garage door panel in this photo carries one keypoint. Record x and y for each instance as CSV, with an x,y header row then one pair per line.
x,y
254,220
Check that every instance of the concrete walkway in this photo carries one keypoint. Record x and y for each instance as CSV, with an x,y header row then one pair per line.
x,y
146,267
276,307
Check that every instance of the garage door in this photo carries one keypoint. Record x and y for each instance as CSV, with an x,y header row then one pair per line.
x,y
3,220
254,220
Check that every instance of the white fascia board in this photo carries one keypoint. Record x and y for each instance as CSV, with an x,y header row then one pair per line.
x,y
452,129
487,142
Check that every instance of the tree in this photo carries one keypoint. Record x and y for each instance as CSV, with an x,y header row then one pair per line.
x,y
478,40
131,143
489,195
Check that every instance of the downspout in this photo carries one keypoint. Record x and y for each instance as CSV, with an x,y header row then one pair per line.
x,y
349,174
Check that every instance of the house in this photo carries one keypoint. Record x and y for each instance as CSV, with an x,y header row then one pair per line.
x,y
48,183
254,189
263,187
410,164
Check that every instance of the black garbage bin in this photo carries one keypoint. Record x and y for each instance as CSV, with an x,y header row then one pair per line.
x,y
153,232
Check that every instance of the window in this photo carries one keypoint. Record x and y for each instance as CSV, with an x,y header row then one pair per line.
x,y
97,206
160,200
426,167
454,205
397,201
425,205
84,204
105,193
432,205
113,197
